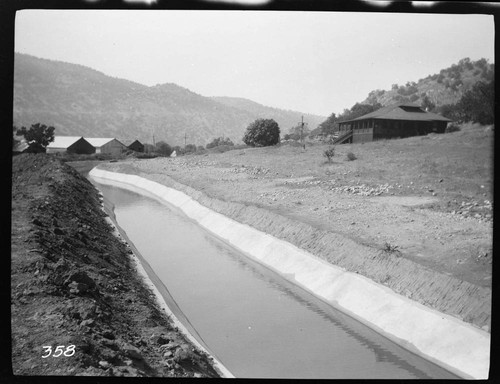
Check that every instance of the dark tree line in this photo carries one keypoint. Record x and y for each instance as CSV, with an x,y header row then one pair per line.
x,y
476,105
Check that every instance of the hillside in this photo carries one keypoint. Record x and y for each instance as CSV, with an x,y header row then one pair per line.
x,y
286,119
445,87
77,100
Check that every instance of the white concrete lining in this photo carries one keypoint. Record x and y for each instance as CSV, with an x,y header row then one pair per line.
x,y
446,340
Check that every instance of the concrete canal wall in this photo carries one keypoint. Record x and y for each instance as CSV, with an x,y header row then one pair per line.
x,y
449,342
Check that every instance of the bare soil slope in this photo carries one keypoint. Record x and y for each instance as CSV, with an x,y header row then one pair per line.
x,y
73,284
413,214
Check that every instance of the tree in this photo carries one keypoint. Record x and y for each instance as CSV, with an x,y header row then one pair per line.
x,y
219,141
190,148
163,148
37,137
478,104
149,148
178,150
262,133
296,134
358,110
427,104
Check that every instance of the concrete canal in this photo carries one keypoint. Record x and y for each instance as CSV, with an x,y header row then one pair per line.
x,y
251,319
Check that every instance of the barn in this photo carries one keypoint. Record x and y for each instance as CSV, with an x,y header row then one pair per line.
x,y
136,146
391,122
106,145
20,147
71,144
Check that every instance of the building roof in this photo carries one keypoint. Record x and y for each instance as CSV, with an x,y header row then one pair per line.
x,y
100,141
401,111
130,142
21,146
63,141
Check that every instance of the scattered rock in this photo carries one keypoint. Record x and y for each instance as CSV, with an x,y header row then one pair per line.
x,y
87,323
131,351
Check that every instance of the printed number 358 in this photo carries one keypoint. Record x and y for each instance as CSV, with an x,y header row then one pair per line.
x,y
70,351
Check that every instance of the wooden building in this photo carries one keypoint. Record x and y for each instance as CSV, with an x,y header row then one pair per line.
x,y
136,146
71,144
391,122
20,147
106,145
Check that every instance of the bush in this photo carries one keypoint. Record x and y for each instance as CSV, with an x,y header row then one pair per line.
x,y
452,128
262,133
329,153
164,148
351,156
219,141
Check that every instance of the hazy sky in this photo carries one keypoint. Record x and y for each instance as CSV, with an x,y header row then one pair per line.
x,y
314,62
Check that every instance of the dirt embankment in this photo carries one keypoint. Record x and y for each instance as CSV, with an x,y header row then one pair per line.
x,y
75,290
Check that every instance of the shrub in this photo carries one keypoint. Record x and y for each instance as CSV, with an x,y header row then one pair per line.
x,y
389,248
219,141
163,148
452,128
329,153
262,133
351,156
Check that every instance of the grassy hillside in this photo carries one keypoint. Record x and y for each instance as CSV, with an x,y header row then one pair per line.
x,y
445,87
77,100
286,119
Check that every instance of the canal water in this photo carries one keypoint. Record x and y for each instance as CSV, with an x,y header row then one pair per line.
x,y
256,323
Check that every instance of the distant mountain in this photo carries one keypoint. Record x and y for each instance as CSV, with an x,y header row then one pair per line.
x,y
445,87
285,118
78,100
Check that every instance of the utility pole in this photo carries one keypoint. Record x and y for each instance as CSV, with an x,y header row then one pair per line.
x,y
302,132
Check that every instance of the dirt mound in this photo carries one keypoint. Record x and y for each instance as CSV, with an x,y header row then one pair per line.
x,y
78,305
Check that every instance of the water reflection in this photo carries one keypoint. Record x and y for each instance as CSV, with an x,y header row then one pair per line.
x,y
315,305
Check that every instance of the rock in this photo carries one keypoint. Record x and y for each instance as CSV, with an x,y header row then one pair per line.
x,y
87,323
58,231
132,352
80,282
77,288
167,354
181,355
111,344
104,364
37,222
108,335
160,340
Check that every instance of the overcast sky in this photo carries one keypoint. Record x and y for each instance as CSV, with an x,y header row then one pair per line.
x,y
313,62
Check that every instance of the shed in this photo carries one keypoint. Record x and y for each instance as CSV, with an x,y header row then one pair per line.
x,y
106,145
20,147
393,121
71,144
136,146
